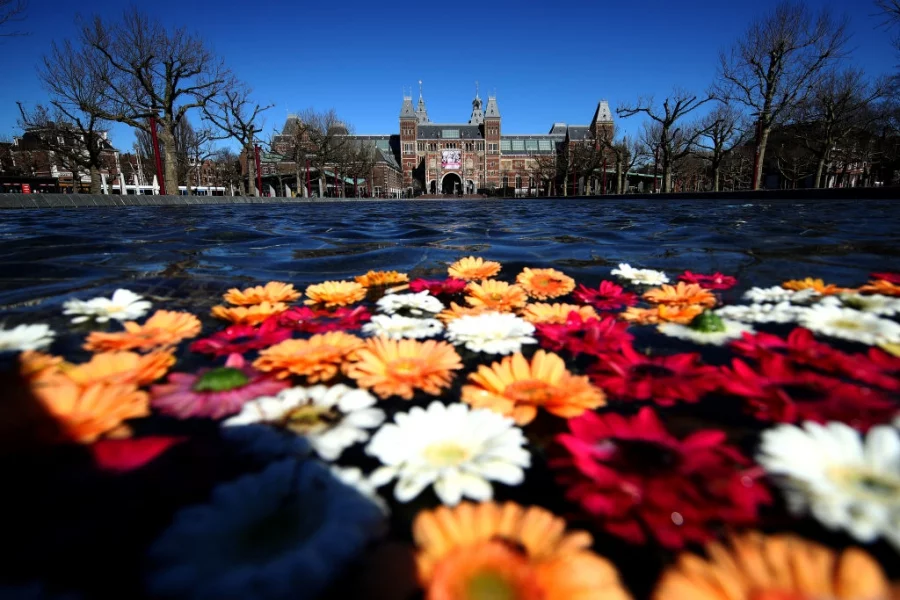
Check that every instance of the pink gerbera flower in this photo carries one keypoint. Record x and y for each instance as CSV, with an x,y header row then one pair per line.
x,y
213,393
239,339
436,287
584,336
716,281
309,320
889,277
608,296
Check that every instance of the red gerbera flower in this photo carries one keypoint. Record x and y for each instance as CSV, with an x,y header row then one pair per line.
x,y
436,287
876,368
716,281
640,482
800,346
607,296
122,455
239,339
890,277
584,336
310,320
665,380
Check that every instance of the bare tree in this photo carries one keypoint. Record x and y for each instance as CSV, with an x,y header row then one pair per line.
x,y
358,160
149,71
12,11
721,132
319,137
670,140
543,168
891,11
773,67
794,162
625,153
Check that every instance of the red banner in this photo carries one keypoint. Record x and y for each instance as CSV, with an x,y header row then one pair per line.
x,y
26,188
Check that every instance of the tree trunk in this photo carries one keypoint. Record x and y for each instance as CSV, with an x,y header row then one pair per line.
x,y
301,187
618,177
96,179
170,157
763,140
716,170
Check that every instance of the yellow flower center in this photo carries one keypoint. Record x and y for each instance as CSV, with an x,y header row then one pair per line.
x,y
867,485
846,324
446,454
309,419
496,297
405,367
530,391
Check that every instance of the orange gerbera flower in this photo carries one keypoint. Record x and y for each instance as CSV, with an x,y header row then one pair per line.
x,y
249,315
640,316
34,364
335,293
274,291
121,367
881,286
545,283
776,567
681,293
399,367
813,284
165,328
317,358
495,295
456,311
516,389
487,550
374,278
678,313
473,268
540,312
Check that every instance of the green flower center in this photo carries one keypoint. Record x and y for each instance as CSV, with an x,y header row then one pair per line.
x,y
490,586
868,485
310,419
221,379
708,322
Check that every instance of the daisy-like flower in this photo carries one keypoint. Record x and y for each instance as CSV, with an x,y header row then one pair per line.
x,y
331,418
491,333
399,367
489,550
162,330
875,304
335,293
239,339
293,526
495,295
707,328
213,393
309,320
542,312
849,324
376,278
545,283
681,294
398,327
881,286
754,566
777,294
121,367
438,287
639,481
813,284
847,482
456,449
273,292
782,312
124,305
456,311
516,387
473,268
317,359
716,281
422,304
26,337
253,314
640,276
34,365
607,296
595,337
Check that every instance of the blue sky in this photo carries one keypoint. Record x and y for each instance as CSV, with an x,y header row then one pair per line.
x,y
547,61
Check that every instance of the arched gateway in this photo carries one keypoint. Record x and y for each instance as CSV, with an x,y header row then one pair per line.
x,y
451,184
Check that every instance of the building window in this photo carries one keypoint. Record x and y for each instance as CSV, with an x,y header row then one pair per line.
x,y
492,147
531,182
518,182
505,181
480,146
407,147
421,146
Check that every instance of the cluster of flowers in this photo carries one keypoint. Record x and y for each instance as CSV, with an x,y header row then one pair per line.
x,y
439,385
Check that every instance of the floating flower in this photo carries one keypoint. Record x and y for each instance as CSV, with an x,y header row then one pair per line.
x,y
495,551
473,268
847,482
331,418
545,283
34,365
716,281
248,315
456,449
412,305
317,359
639,481
516,387
706,328
335,293
376,278
456,311
681,294
777,294
309,320
399,367
640,276
121,367
813,284
777,567
578,335
607,296
640,316
26,337
491,333
672,313
495,295
849,324
666,380
162,330
353,477
239,339
213,393
881,286
124,305
541,312
291,527
124,455
438,287
274,292
782,312
875,304
398,327
886,276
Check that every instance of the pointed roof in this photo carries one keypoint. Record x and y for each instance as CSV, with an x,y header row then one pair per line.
x,y
492,111
421,111
407,111
477,117
602,114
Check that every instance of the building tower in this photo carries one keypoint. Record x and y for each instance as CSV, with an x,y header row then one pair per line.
x,y
602,123
408,125
421,113
492,142
477,117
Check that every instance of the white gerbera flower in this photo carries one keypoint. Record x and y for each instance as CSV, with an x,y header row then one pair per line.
x,y
414,305
331,418
354,477
777,294
398,327
453,447
844,481
730,330
640,276
124,305
783,312
491,332
849,324
875,304
26,337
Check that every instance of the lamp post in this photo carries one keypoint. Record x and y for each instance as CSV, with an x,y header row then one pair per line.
x,y
159,172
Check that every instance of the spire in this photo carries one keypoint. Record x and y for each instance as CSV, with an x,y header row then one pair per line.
x,y
477,117
407,111
602,114
421,112
492,111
